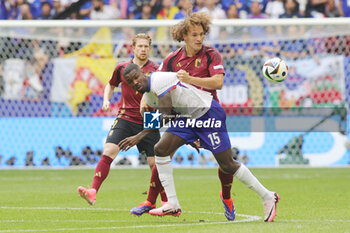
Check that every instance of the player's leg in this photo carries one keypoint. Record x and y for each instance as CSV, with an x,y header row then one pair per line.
x,y
270,199
151,162
216,140
101,172
155,189
119,130
242,173
110,152
167,145
147,146
226,167
226,180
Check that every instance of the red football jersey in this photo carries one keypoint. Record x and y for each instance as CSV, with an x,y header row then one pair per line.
x,y
130,101
205,63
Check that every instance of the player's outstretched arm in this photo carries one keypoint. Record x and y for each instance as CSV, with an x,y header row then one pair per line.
x,y
107,95
165,106
129,142
143,105
214,82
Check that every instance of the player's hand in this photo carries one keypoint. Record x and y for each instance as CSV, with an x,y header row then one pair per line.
x,y
106,105
183,76
194,145
198,143
128,142
144,108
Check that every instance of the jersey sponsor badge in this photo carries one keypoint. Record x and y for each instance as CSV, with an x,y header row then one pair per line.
x,y
218,67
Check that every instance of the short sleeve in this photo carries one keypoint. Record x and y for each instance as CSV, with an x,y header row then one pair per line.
x,y
162,82
116,76
216,66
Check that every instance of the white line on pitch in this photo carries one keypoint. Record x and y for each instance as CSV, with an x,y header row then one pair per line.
x,y
101,221
61,220
303,220
253,218
60,208
249,218
105,209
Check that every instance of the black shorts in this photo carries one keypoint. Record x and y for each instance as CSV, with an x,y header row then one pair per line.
x,y
122,129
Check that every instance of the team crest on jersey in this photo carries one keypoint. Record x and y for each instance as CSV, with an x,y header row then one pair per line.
x,y
197,62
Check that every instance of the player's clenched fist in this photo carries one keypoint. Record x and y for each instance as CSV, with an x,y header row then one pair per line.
x,y
106,105
183,76
144,106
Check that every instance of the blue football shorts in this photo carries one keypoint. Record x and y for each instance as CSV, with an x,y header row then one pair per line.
x,y
214,138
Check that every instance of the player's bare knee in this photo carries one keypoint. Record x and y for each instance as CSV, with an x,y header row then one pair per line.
x,y
151,166
229,168
160,150
151,162
111,150
236,165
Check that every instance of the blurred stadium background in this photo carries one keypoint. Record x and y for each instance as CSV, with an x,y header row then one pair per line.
x,y
52,76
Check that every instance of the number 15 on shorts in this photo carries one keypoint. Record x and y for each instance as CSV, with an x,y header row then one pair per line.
x,y
214,139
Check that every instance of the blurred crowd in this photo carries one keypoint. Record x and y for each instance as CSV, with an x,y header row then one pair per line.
x,y
171,9
30,57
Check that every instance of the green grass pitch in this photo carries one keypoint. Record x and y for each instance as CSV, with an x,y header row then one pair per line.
x,y
312,200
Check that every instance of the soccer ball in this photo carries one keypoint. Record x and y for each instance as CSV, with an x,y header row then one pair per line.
x,y
275,70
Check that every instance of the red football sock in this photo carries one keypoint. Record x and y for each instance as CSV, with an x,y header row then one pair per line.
x,y
155,187
226,184
101,171
163,195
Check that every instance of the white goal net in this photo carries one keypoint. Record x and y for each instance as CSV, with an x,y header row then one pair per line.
x,y
52,76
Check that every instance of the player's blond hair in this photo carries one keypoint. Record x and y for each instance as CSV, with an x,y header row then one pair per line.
x,y
141,36
192,19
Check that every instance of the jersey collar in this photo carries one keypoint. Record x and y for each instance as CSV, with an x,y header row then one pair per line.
x,y
199,52
149,82
132,61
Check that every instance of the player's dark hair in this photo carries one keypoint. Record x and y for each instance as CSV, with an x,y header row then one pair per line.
x,y
130,68
192,19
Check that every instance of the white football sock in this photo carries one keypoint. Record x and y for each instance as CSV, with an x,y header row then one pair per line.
x,y
165,172
247,178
